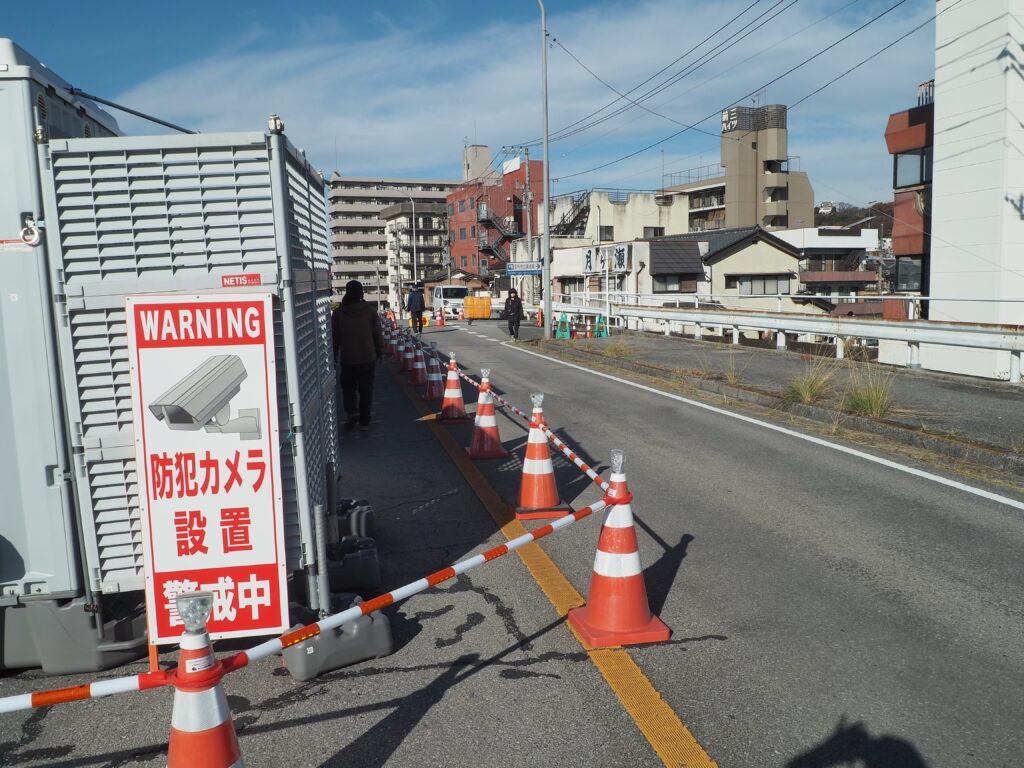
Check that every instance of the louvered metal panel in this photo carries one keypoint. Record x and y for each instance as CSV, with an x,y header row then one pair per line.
x,y
174,214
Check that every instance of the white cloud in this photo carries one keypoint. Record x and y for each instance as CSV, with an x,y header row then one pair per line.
x,y
403,101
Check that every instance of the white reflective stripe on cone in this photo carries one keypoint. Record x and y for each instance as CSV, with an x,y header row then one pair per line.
x,y
619,516
538,467
196,711
617,566
486,421
536,436
193,641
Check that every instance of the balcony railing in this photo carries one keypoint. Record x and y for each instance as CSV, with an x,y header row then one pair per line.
x,y
857,276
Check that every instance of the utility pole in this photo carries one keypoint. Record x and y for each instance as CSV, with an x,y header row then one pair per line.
x,y
528,196
545,256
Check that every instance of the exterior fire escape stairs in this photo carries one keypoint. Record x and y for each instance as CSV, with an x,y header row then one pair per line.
x,y
506,229
574,221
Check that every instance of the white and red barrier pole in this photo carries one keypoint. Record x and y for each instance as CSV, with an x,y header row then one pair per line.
x,y
558,443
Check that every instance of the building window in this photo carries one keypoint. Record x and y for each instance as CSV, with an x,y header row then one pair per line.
x,y
451,209
606,233
650,232
463,262
757,285
462,233
472,231
472,203
912,168
908,273
462,206
674,283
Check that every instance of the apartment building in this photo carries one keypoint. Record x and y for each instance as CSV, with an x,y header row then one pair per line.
x,y
358,232
490,211
908,136
417,244
756,183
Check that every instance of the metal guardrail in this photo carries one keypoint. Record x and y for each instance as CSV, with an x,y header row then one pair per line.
x,y
913,332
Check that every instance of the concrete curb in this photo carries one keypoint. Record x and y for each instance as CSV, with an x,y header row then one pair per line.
x,y
984,455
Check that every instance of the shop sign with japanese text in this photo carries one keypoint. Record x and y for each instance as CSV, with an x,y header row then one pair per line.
x,y
606,258
204,406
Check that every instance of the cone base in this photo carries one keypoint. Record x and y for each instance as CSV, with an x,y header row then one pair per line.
x,y
431,399
528,513
488,453
655,631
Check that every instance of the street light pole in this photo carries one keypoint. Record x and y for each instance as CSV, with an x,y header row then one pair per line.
x,y
545,256
415,266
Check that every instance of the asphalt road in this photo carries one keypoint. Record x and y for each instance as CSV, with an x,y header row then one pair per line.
x,y
822,605
825,609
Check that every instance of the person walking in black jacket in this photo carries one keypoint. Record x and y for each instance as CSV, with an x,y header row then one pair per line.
x,y
513,313
358,345
416,305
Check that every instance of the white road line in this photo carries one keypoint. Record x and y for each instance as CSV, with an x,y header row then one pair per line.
x,y
800,436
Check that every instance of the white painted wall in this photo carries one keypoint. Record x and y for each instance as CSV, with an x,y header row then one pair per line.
x,y
977,246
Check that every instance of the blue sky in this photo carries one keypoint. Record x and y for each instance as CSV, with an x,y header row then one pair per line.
x,y
397,88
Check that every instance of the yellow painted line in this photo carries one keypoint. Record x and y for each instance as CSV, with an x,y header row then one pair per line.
x,y
665,732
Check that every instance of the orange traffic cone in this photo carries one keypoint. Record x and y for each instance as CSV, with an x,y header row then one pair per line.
x,y
486,442
462,315
399,353
389,342
590,329
452,407
418,374
409,356
440,318
617,612
434,389
538,495
202,733
540,317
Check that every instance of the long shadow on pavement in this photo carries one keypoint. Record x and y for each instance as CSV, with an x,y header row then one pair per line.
x,y
851,744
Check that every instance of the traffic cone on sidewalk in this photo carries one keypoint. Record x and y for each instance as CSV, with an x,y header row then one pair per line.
x,y
418,374
389,342
434,389
617,612
540,317
590,329
538,494
440,319
399,354
202,733
409,356
452,407
462,315
486,442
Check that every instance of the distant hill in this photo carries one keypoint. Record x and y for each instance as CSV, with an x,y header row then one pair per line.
x,y
844,214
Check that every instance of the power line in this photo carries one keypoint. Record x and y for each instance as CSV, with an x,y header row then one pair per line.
x,y
705,58
737,101
739,63
615,90
534,142
864,61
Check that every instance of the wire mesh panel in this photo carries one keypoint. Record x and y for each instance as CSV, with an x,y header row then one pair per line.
x,y
165,215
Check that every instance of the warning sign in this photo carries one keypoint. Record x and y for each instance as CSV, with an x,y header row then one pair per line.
x,y
204,405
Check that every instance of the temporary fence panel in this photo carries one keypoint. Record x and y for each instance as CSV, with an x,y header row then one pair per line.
x,y
205,213
39,546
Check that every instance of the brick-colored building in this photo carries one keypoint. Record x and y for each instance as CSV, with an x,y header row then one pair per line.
x,y
909,136
486,213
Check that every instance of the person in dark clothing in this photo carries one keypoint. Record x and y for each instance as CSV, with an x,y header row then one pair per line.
x,y
416,305
513,313
358,345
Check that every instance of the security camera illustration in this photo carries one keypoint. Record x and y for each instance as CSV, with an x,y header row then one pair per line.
x,y
202,400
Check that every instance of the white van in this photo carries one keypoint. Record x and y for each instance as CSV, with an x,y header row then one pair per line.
x,y
450,298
